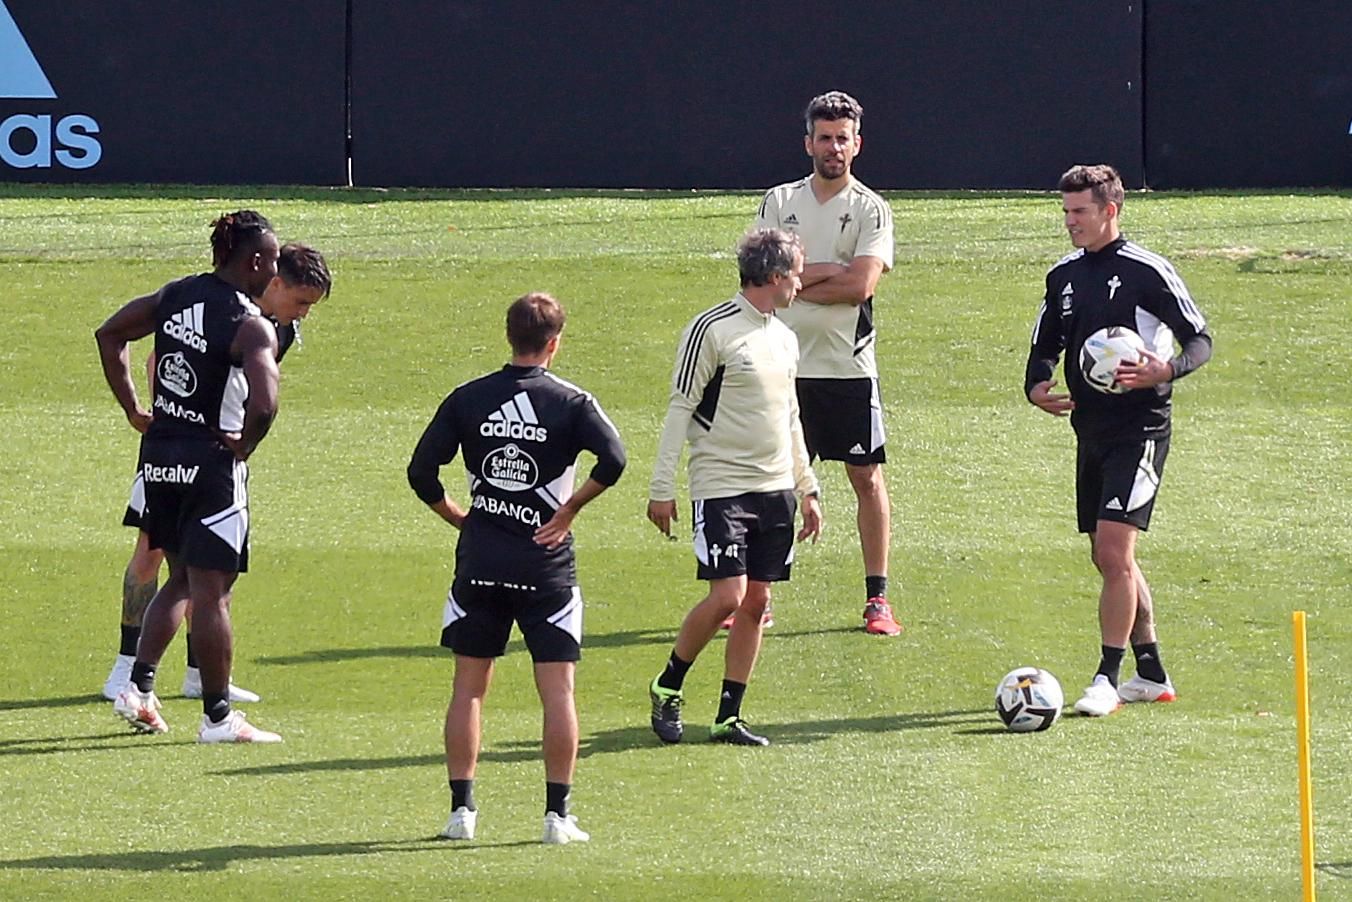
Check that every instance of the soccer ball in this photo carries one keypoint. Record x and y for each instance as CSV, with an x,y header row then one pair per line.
x,y
1103,351
1028,699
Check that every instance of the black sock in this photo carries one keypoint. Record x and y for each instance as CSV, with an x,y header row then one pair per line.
x,y
730,701
1148,662
462,795
875,586
216,706
143,675
674,676
130,636
556,798
192,658
1110,664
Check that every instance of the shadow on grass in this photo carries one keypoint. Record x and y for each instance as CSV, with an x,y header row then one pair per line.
x,y
628,739
1340,869
219,858
619,639
68,701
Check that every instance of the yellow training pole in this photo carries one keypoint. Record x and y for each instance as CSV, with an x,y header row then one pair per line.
x,y
1303,749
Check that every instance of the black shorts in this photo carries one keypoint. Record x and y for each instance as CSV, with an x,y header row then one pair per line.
x,y
197,502
1118,480
746,535
842,420
479,615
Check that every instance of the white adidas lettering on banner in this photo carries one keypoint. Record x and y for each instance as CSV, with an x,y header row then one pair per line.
x,y
38,140
186,326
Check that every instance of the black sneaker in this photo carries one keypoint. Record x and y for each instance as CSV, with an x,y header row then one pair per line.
x,y
734,731
666,712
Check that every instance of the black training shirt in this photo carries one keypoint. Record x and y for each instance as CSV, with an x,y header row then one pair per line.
x,y
519,432
1121,285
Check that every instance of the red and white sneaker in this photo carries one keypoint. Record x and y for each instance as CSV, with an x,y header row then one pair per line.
x,y
140,709
233,729
767,619
1139,689
878,618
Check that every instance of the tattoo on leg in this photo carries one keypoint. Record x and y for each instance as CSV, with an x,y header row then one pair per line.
x,y
136,598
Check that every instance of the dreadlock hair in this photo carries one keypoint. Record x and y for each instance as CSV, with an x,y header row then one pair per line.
x,y
236,232
299,264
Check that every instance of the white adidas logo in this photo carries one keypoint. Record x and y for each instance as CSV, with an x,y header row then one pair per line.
x,y
1114,505
186,326
858,449
1069,289
515,419
21,75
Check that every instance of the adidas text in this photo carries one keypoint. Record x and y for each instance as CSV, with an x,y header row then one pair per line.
x,y
523,431
180,326
27,139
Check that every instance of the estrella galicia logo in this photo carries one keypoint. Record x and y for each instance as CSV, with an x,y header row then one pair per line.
x,y
27,139
177,375
511,469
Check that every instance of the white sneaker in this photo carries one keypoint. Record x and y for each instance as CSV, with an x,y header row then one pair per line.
x,y
1099,699
1139,689
562,830
461,825
233,729
140,709
118,677
192,688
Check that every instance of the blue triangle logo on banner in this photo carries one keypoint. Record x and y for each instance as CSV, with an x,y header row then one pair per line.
x,y
20,73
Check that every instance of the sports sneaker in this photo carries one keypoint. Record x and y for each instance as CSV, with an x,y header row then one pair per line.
x,y
192,688
233,729
734,731
878,618
140,709
118,677
562,830
1139,689
1099,699
461,825
767,619
666,712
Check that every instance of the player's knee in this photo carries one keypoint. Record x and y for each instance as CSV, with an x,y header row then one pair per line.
x,y
866,480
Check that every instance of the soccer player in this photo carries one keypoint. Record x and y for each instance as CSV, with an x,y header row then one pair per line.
x,y
302,280
215,396
846,232
733,400
1122,439
519,432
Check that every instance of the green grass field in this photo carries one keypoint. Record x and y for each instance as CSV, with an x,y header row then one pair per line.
x,y
889,776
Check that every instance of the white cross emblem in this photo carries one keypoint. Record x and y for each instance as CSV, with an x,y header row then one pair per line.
x,y
1113,284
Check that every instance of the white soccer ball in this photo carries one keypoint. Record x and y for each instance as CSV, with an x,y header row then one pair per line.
x,y
1029,699
1103,351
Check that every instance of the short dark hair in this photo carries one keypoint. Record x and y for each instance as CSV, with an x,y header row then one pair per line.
x,y
1100,179
765,253
237,233
299,264
831,106
532,320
